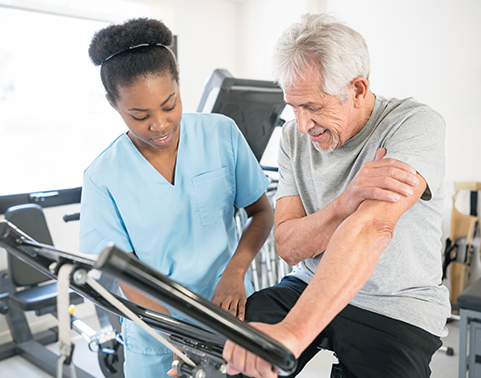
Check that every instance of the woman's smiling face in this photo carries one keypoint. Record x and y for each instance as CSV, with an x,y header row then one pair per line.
x,y
152,110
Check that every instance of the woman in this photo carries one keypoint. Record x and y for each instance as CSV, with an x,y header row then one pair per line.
x,y
165,190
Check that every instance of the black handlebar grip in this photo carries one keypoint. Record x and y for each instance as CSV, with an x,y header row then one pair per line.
x,y
71,217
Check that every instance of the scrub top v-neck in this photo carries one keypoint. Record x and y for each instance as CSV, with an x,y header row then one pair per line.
x,y
185,230
151,165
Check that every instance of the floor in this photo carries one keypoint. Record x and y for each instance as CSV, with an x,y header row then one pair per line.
x,y
442,366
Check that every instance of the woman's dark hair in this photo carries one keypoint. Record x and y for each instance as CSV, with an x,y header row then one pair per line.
x,y
121,64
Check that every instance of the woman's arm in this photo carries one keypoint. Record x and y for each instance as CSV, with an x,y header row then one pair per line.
x,y
139,298
230,292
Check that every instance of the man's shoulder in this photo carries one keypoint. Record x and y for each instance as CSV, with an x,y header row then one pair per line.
x,y
290,132
395,107
290,126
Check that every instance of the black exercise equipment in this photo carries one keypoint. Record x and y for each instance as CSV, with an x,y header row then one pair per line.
x,y
254,105
203,345
24,288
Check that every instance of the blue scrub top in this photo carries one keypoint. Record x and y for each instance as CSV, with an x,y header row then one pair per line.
x,y
186,231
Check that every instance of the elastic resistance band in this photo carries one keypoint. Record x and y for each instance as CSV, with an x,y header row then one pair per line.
x,y
132,316
63,314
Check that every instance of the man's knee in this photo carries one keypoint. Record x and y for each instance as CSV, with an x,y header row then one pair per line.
x,y
262,307
272,304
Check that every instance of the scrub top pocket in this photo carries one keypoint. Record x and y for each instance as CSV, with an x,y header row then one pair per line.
x,y
214,194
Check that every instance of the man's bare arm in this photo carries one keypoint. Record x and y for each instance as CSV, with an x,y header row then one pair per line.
x,y
299,237
348,262
386,180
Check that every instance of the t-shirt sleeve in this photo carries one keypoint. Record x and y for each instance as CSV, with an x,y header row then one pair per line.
x,y
419,142
287,184
100,220
251,181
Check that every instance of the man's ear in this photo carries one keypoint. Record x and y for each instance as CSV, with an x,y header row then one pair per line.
x,y
111,102
361,88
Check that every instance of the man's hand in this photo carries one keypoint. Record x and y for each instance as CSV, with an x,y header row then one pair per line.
x,y
230,294
239,360
382,180
386,180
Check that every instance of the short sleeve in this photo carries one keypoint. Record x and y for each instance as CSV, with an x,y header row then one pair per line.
x,y
100,220
287,184
419,142
251,181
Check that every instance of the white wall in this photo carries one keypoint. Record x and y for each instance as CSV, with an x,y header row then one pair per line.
x,y
261,22
207,36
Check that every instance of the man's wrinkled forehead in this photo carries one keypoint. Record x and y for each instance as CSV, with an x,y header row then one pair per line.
x,y
295,78
305,92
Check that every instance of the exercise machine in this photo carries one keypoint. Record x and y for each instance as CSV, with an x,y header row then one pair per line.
x,y
202,346
24,289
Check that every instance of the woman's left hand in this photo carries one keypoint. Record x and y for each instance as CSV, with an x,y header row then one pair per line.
x,y
173,372
230,294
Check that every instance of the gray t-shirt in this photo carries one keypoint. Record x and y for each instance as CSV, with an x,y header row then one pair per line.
x,y
406,284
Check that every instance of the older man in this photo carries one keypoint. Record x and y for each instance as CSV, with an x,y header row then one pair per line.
x,y
359,209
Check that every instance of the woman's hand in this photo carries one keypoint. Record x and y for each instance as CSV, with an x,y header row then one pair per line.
x,y
173,372
230,294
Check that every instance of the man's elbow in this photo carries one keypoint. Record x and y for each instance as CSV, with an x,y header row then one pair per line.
x,y
378,218
286,251
378,233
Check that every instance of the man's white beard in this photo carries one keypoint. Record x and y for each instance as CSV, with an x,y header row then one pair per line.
x,y
332,146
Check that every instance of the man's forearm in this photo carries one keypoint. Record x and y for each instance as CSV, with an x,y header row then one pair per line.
x,y
301,238
385,180
347,264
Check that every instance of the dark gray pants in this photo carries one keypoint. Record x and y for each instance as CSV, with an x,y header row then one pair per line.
x,y
368,345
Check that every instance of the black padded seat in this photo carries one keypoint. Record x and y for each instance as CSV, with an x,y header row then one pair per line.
x,y
470,298
40,298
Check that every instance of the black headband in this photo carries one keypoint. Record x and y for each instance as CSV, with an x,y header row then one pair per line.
x,y
134,47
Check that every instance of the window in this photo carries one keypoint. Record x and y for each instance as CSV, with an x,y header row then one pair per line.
x,y
54,118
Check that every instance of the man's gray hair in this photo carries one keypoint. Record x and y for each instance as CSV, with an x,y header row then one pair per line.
x,y
322,43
